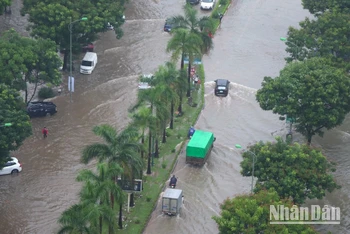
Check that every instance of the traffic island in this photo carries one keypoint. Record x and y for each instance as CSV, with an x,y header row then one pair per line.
x,y
145,203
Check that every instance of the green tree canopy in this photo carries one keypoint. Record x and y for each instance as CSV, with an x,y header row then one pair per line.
x,y
50,20
326,36
251,214
24,60
12,111
317,7
3,4
294,171
312,92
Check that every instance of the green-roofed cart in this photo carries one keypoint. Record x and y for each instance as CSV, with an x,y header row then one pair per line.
x,y
199,147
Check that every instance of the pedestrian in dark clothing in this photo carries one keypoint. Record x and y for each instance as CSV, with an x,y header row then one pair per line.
x,y
220,18
45,132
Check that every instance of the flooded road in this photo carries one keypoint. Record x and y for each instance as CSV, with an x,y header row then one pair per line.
x,y
246,49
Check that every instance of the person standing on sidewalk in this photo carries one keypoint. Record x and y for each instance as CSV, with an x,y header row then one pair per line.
x,y
45,132
220,18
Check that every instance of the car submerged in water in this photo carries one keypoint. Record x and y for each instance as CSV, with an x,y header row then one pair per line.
x,y
222,87
38,109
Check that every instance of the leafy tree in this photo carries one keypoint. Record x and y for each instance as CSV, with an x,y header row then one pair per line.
x,y
251,214
4,4
25,60
294,171
326,36
51,19
312,92
12,111
319,7
185,43
101,190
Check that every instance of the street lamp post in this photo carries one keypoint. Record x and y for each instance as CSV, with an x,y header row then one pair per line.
x,y
253,164
286,40
70,53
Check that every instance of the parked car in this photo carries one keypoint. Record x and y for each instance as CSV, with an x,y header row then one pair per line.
x,y
207,4
169,24
193,2
145,81
222,87
109,26
11,167
36,109
88,47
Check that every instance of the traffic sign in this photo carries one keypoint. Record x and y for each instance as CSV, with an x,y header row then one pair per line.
x,y
128,186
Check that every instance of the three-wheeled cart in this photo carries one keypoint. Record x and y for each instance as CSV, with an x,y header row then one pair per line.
x,y
172,201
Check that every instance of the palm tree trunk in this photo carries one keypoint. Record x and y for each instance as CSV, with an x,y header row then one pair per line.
x,y
182,62
172,115
164,135
149,153
100,224
179,109
156,153
120,221
189,80
142,142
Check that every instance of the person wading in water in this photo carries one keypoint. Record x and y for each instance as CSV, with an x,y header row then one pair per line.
x,y
45,132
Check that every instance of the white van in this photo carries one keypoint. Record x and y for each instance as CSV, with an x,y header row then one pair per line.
x,y
88,63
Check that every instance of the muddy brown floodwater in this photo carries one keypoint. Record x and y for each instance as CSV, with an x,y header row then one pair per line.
x,y
247,48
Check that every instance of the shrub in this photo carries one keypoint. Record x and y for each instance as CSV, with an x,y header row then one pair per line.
x,y
46,92
168,132
163,165
223,2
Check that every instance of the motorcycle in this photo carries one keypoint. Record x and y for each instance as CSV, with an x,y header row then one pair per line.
x,y
172,186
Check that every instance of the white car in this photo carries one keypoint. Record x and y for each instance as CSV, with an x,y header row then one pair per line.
x,y
207,4
11,167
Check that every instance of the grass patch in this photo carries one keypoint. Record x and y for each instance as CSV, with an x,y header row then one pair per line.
x,y
220,8
154,184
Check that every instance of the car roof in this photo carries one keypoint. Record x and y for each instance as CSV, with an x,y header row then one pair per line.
x,y
222,82
13,159
41,103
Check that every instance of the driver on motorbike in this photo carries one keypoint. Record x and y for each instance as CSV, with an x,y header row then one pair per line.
x,y
173,181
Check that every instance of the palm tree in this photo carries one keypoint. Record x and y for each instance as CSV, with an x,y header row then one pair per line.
x,y
152,98
167,77
199,26
99,189
180,88
140,120
185,43
74,220
121,149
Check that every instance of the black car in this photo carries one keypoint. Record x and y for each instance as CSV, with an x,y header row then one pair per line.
x,y
36,109
169,24
193,2
221,88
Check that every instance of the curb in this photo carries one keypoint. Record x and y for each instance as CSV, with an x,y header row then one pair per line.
x,y
224,15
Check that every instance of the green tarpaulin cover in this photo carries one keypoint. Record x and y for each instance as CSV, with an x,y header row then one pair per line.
x,y
199,144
